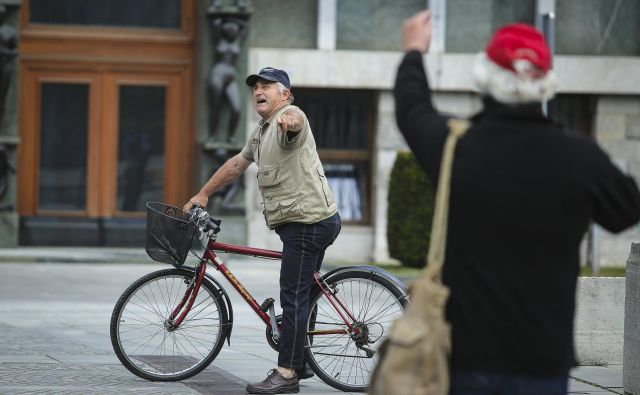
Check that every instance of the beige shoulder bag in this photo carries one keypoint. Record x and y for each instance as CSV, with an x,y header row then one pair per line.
x,y
414,358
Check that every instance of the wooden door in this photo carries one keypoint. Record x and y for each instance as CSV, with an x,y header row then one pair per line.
x,y
106,111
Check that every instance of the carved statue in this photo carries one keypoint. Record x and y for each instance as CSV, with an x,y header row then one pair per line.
x,y
5,168
222,85
222,199
8,51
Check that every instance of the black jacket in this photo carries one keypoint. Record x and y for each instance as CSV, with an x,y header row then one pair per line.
x,y
523,193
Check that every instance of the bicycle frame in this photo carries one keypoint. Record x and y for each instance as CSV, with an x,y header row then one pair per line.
x,y
210,256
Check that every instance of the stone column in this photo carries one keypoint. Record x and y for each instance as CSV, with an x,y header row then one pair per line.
x,y
9,140
631,353
221,68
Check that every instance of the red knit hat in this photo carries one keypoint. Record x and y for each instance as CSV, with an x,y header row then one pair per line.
x,y
519,41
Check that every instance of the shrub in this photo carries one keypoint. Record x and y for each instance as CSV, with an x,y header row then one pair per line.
x,y
409,212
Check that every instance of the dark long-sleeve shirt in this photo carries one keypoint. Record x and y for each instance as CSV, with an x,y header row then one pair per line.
x,y
522,195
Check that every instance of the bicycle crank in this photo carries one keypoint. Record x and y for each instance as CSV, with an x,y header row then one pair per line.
x,y
274,341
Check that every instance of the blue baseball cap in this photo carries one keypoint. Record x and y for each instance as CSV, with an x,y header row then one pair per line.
x,y
270,74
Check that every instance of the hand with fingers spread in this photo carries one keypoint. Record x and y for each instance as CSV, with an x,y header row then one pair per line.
x,y
416,32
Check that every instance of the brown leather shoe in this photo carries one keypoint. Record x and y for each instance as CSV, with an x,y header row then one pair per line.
x,y
275,384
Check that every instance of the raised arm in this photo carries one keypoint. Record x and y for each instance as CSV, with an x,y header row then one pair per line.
x,y
418,121
616,196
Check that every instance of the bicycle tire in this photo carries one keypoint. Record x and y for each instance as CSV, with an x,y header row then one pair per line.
x,y
375,309
137,325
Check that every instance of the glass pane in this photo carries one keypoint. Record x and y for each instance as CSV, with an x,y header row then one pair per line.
x,y
64,112
470,23
575,112
284,23
348,183
339,118
596,27
141,146
373,24
125,13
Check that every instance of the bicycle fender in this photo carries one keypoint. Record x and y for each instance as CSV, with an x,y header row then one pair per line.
x,y
375,272
228,306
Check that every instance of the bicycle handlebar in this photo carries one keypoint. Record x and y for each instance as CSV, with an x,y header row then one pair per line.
x,y
203,221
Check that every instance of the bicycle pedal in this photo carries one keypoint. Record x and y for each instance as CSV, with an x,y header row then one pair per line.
x,y
264,307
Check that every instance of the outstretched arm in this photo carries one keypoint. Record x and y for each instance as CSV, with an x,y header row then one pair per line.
x,y
291,121
225,175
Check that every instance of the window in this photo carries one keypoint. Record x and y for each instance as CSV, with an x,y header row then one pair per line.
x,y
574,112
284,23
374,24
63,146
342,125
117,13
595,27
470,23
141,159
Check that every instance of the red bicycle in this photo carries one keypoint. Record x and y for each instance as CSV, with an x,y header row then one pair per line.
x,y
171,324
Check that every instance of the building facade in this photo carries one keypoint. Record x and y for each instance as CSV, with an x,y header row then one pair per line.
x,y
115,102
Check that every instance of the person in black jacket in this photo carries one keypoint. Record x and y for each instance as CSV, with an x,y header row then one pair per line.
x,y
523,193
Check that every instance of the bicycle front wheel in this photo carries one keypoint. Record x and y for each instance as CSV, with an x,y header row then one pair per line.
x,y
146,344
341,357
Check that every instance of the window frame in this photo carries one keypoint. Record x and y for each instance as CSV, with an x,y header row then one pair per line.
x,y
45,31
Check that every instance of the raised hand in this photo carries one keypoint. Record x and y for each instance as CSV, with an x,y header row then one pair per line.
x,y
416,32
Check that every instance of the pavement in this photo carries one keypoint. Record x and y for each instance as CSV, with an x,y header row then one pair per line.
x,y
56,306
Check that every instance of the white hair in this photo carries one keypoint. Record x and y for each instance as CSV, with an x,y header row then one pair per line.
x,y
512,87
282,88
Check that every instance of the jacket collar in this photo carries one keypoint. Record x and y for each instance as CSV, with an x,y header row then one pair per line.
x,y
493,109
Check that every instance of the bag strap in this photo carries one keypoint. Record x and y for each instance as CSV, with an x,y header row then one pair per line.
x,y
435,258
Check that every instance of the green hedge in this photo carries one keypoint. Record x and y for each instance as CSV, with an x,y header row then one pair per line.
x,y
409,212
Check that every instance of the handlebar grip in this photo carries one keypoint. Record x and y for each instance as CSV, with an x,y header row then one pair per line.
x,y
214,225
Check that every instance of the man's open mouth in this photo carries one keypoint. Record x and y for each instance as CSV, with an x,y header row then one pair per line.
x,y
261,101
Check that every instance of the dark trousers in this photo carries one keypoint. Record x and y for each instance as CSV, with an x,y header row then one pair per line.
x,y
485,383
302,255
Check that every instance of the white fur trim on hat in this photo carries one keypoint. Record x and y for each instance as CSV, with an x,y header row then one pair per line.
x,y
511,87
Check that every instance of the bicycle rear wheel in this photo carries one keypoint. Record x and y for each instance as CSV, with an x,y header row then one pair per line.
x,y
346,360
147,347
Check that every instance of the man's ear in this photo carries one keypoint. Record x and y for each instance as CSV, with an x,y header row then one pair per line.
x,y
286,94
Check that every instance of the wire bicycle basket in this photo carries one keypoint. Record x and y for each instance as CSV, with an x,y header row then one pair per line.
x,y
169,233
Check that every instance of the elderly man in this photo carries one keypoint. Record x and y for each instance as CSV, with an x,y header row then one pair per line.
x,y
298,205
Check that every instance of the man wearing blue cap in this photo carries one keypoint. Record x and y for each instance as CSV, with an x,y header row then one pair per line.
x,y
298,205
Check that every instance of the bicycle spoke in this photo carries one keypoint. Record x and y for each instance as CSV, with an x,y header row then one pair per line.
x,y
157,350
346,360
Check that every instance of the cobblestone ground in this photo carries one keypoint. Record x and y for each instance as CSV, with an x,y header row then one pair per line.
x,y
54,335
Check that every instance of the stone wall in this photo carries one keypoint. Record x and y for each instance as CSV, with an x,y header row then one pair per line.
x,y
617,129
599,322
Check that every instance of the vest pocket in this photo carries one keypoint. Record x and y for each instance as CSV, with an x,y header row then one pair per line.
x,y
268,175
328,196
282,210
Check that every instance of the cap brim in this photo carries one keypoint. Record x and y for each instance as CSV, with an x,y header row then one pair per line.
x,y
253,78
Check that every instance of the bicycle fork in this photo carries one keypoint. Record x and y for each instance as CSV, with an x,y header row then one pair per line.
x,y
172,323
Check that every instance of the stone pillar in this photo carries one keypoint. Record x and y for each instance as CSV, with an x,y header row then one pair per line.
x,y
221,104
9,140
631,353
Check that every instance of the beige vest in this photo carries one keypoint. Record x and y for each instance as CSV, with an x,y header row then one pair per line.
x,y
290,176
